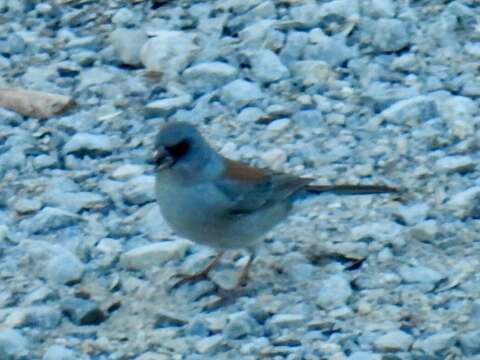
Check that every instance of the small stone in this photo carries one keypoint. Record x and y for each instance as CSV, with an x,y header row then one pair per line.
x,y
83,312
267,66
391,35
250,115
239,325
210,345
334,292
50,219
274,158
73,201
277,126
459,163
470,342
123,17
166,107
364,355
287,320
27,205
412,214
58,352
379,9
419,274
165,318
127,44
465,203
43,317
44,161
89,144
437,343
426,231
312,72
93,77
412,110
139,190
168,52
13,345
153,254
127,171
256,310
396,340
64,268
240,93
209,76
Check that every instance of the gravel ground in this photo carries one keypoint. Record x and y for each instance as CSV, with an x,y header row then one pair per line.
x,y
359,91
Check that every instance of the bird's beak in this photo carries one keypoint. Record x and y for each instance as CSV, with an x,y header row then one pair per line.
x,y
162,160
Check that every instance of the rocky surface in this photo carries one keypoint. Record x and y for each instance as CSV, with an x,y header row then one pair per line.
x,y
358,91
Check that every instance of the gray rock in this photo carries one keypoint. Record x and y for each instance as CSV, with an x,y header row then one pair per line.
x,y
412,214
123,17
465,204
208,76
50,219
391,35
210,345
294,47
89,144
82,312
127,44
378,8
13,345
419,274
169,52
396,340
331,49
286,320
364,355
43,317
250,115
64,268
458,163
437,343
73,201
239,325
165,318
425,231
27,205
409,111
58,352
312,72
333,292
45,161
8,117
154,254
470,342
308,118
256,310
167,106
267,66
240,93
139,190
94,76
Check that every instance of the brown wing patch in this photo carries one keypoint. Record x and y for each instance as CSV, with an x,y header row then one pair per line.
x,y
241,172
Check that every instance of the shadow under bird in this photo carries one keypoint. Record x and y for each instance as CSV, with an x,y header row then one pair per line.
x,y
222,203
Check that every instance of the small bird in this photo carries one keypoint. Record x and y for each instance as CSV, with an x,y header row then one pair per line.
x,y
223,203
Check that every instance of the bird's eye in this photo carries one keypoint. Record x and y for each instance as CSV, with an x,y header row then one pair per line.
x,y
179,149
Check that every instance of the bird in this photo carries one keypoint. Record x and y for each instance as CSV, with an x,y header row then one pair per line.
x,y
222,203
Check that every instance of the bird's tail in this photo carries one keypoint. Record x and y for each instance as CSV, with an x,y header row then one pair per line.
x,y
350,189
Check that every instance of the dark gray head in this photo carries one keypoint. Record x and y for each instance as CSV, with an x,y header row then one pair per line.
x,y
179,143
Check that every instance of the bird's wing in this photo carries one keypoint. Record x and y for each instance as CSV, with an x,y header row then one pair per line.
x,y
250,189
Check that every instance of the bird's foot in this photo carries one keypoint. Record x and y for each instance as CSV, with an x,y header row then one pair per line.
x,y
199,276
190,278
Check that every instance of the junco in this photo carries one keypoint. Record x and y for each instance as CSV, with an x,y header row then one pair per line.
x,y
223,203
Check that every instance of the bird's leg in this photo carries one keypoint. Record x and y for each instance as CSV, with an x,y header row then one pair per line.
x,y
228,295
201,275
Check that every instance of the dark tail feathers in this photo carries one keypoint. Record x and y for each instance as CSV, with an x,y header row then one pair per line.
x,y
351,189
